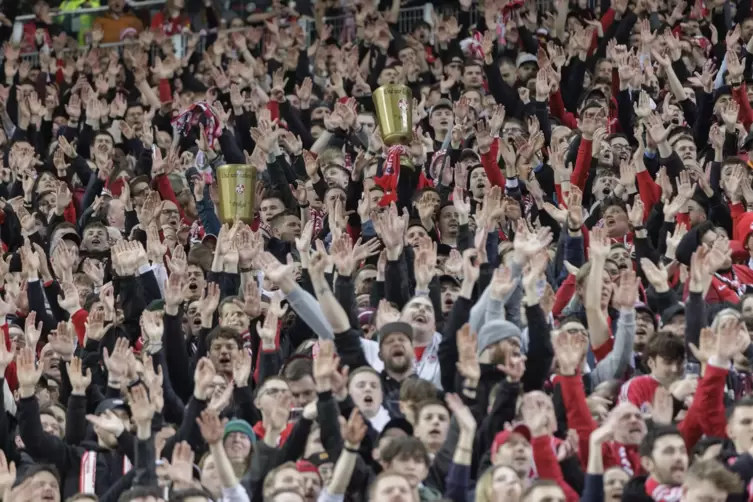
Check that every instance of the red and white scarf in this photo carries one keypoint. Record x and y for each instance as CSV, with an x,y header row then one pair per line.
x,y
87,477
662,493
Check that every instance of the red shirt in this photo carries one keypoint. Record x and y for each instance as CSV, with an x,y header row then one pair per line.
x,y
639,390
170,25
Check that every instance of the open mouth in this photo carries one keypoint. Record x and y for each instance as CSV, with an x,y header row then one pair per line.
x,y
368,400
224,360
96,241
609,221
420,318
449,303
197,322
435,433
193,286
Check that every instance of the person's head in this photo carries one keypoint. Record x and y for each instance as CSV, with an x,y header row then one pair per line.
x,y
499,342
312,480
95,237
407,456
441,118
710,481
196,280
332,164
473,75
114,409
615,216
224,345
271,205
499,483
396,347
665,357
615,479
134,116
367,121
696,213
512,448
448,220
269,392
391,486
365,387
169,214
543,490
740,424
419,313
299,374
283,477
621,256
232,314
664,455
450,291
44,481
238,441
412,392
686,148
631,426
286,226
645,327
479,182
432,424
50,423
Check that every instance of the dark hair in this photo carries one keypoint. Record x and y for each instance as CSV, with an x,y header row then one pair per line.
x,y
717,474
298,369
666,345
223,333
406,447
279,219
646,447
273,194
746,402
429,402
190,492
612,201
81,496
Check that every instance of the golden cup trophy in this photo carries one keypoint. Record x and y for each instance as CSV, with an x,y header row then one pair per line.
x,y
236,183
394,111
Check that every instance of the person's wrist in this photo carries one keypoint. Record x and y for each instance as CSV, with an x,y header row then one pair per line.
x,y
199,394
393,254
268,344
26,391
323,384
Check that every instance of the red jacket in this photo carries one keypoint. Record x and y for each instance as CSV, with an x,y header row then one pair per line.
x,y
547,466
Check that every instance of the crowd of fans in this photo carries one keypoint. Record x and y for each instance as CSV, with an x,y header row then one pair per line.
x,y
545,296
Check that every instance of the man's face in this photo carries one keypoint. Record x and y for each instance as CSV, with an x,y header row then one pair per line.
x,y
669,460
474,99
448,221
512,130
238,446
479,182
616,221
134,116
441,120
603,70
527,71
419,313
740,428
621,257
196,282
644,330
47,204
367,122
233,316
449,293
366,390
312,486
393,489
516,453
288,479
169,215
414,470
621,149
335,174
631,428
270,208
270,393
289,228
103,141
414,235
432,424
666,371
46,486
50,425
686,149
473,78
95,239
696,213
509,73
397,352
388,76
303,390
223,353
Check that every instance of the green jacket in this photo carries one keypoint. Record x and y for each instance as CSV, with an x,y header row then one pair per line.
x,y
80,24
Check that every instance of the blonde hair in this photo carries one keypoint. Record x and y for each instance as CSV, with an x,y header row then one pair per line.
x,y
484,485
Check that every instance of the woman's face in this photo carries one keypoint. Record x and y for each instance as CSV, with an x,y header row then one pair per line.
x,y
506,486
615,480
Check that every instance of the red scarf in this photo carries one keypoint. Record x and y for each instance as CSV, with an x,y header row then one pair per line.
x,y
662,493
259,431
391,175
626,456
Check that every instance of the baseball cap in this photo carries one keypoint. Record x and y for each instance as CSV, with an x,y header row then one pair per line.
x,y
504,436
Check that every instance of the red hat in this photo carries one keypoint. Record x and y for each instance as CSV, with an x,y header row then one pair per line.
x,y
306,466
505,435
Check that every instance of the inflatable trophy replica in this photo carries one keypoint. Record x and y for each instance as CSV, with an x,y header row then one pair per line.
x,y
394,110
236,183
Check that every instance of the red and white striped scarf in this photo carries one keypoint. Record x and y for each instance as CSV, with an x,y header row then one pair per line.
x,y
87,477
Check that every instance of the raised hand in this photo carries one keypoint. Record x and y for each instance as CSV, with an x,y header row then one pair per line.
x,y
62,341
569,351
468,364
80,380
117,364
210,426
27,372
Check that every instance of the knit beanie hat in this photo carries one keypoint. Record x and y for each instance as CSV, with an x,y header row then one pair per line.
x,y
496,331
238,425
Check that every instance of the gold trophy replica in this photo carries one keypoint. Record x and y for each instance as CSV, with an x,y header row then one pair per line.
x,y
236,183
